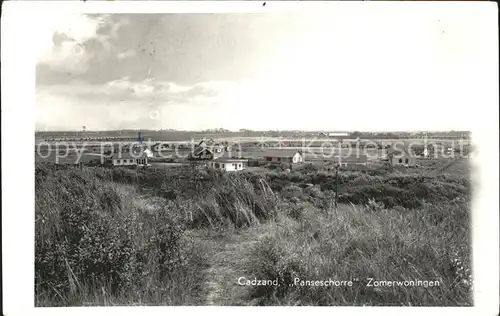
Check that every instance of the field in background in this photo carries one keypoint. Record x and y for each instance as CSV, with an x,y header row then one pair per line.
x,y
248,134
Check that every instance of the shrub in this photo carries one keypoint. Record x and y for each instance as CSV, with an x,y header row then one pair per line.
x,y
310,168
293,191
282,166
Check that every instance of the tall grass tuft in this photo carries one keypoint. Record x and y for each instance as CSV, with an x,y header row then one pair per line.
x,y
232,201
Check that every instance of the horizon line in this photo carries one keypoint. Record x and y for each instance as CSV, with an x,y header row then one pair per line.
x,y
254,130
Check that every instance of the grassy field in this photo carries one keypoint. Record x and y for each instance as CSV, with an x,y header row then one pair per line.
x,y
184,236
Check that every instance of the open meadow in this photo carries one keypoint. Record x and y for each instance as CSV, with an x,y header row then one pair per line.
x,y
184,236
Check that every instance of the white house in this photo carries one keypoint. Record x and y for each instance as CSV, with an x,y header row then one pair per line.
x,y
227,162
201,153
128,159
338,134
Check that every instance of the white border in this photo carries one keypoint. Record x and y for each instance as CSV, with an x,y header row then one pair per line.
x,y
18,121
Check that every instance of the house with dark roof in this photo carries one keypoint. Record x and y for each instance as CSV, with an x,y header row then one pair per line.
x,y
400,156
206,150
283,155
206,143
201,153
227,161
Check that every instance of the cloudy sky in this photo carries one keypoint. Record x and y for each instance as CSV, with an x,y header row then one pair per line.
x,y
413,71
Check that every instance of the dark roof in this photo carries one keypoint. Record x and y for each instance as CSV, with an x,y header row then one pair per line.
x,y
280,153
198,150
212,149
398,151
228,154
227,159
205,142
202,143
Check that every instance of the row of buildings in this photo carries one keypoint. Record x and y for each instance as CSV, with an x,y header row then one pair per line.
x,y
223,158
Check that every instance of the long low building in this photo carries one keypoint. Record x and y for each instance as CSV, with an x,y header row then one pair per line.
x,y
127,159
283,155
229,164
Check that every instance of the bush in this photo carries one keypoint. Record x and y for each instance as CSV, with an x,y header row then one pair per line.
x,y
282,166
293,191
310,168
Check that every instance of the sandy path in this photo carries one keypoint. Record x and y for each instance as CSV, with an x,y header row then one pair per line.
x,y
227,256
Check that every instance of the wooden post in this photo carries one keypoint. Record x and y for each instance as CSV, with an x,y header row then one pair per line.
x,y
337,186
337,175
136,175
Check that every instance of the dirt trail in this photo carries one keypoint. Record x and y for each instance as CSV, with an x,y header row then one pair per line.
x,y
227,255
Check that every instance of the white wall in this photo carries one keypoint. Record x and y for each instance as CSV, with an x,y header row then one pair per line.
x,y
120,162
228,166
297,158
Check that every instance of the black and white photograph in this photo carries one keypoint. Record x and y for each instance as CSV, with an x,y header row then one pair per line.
x,y
316,157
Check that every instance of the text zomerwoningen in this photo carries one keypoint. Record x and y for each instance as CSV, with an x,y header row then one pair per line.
x,y
369,282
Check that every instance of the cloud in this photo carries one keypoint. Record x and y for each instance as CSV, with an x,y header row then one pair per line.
x,y
124,103
147,90
126,54
67,43
324,72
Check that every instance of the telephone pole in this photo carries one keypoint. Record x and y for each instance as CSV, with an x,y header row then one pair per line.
x,y
337,169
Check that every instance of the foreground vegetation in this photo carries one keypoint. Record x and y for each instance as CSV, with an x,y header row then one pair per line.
x,y
121,237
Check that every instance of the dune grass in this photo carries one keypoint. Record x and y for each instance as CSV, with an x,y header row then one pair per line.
x,y
357,243
117,237
95,246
